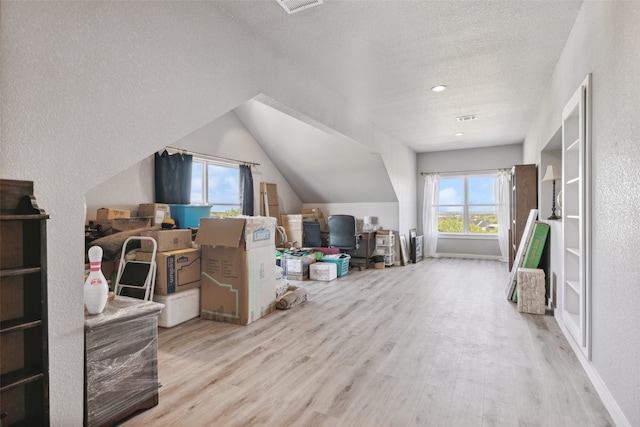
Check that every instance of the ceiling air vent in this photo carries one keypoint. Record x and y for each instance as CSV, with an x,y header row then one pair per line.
x,y
293,6
467,118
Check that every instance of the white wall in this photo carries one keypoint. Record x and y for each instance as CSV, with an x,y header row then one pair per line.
x,y
386,214
224,137
125,190
499,157
90,89
605,42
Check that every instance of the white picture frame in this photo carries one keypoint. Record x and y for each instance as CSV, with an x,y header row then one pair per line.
x,y
404,258
517,262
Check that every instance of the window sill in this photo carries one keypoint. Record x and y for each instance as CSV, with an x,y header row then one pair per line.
x,y
454,236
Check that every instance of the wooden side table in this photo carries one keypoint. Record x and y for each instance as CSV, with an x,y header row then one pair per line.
x,y
121,360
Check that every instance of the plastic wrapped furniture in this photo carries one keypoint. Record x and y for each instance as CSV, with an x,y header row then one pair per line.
x,y
121,362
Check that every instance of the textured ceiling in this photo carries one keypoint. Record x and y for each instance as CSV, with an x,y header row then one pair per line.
x,y
496,57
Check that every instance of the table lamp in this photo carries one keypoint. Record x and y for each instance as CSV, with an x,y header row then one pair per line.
x,y
552,173
366,223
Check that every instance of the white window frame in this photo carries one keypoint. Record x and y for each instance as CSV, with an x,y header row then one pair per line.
x,y
466,234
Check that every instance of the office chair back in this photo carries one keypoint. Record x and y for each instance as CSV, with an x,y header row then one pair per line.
x,y
342,232
312,236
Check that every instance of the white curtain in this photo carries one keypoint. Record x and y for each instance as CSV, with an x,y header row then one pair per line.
x,y
501,193
430,213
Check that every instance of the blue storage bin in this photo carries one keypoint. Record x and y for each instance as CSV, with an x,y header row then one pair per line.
x,y
342,261
188,216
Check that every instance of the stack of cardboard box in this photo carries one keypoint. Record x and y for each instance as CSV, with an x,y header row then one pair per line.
x,y
105,217
114,220
156,212
227,275
292,224
296,264
178,267
318,216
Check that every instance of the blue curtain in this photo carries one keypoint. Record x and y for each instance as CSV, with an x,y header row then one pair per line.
x,y
173,178
246,190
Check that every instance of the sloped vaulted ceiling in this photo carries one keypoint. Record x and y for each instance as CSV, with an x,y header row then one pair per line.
x,y
321,168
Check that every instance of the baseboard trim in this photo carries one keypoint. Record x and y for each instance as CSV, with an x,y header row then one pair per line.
x,y
607,398
473,256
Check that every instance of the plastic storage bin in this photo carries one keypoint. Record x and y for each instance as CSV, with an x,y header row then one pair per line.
x,y
179,307
342,261
188,216
323,271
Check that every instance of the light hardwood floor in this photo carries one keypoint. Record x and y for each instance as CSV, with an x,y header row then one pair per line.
x,y
429,344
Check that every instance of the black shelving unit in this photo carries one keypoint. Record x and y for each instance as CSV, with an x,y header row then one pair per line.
x,y
24,360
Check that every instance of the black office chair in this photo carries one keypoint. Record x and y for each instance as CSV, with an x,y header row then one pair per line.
x,y
312,236
342,233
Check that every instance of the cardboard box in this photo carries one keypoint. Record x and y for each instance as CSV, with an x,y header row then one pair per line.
x,y
176,270
158,212
104,214
292,224
294,221
104,217
316,212
167,240
238,268
297,267
295,238
324,271
126,224
178,308
319,217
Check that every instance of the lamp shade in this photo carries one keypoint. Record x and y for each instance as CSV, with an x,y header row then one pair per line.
x,y
552,173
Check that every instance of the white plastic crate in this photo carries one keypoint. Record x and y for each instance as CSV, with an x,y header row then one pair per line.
x,y
389,259
178,307
385,239
324,271
384,250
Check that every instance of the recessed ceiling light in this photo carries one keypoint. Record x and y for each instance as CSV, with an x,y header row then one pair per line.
x,y
459,134
439,88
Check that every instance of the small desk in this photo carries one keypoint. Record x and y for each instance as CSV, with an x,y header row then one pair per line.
x,y
368,237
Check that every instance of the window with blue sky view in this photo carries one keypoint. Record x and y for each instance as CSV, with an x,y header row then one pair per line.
x,y
219,187
467,205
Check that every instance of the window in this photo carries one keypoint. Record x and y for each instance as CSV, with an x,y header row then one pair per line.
x,y
217,184
467,205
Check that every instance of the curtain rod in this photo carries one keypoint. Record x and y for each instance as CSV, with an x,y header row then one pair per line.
x,y
467,171
240,162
